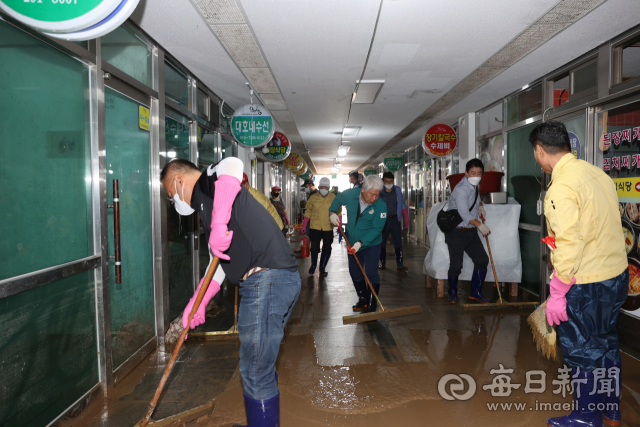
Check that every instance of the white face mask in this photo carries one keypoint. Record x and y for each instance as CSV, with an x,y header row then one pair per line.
x,y
474,180
307,190
388,186
181,206
324,192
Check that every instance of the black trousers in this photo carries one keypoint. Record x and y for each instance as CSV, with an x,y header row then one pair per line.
x,y
393,227
461,241
318,235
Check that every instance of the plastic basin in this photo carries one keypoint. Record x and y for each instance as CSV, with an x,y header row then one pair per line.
x,y
491,181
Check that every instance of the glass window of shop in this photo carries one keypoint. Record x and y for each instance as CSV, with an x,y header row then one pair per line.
x,y
490,121
202,102
229,148
631,61
179,228
561,86
177,86
524,185
126,51
576,128
585,79
618,145
524,105
48,342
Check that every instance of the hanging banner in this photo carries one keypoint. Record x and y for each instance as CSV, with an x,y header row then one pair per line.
x,y
307,175
370,170
252,125
393,161
439,140
279,148
293,162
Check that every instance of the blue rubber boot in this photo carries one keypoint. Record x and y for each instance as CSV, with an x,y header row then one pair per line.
x,y
400,261
611,412
383,259
477,280
586,412
453,290
262,413
324,259
314,263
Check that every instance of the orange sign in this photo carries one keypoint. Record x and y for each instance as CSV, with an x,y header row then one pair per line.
x,y
440,140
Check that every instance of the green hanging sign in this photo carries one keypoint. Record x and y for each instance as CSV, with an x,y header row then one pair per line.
x,y
370,170
252,125
308,174
60,16
393,161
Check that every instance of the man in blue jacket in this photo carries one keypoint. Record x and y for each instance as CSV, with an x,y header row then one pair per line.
x,y
367,215
392,196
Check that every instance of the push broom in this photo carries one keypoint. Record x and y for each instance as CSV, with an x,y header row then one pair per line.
x,y
382,313
147,418
501,303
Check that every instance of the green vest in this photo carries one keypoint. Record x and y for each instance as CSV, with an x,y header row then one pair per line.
x,y
366,226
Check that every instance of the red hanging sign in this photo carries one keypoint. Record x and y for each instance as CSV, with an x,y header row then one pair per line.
x,y
440,140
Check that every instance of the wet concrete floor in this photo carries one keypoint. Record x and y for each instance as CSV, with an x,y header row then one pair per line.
x,y
382,373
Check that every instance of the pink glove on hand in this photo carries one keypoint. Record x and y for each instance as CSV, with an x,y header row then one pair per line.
x,y
199,317
227,188
405,213
304,225
557,302
286,219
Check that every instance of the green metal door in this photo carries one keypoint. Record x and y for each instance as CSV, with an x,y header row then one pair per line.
x,y
127,160
524,185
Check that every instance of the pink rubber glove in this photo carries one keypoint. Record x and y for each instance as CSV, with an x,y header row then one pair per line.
x,y
199,317
286,219
405,213
304,225
227,188
557,302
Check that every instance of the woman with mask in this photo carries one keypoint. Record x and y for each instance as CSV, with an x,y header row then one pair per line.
x,y
464,238
316,218
277,203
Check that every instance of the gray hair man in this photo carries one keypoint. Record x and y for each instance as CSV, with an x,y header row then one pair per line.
x,y
366,217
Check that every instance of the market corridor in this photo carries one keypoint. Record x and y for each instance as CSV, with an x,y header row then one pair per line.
x,y
382,373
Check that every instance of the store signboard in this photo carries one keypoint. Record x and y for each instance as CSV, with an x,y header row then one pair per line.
x,y
439,140
293,162
370,170
74,20
393,161
575,144
279,148
302,170
252,125
307,175
619,144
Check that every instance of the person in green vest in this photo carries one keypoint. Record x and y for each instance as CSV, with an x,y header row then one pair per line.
x,y
366,217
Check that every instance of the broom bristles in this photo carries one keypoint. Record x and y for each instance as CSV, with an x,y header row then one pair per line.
x,y
544,335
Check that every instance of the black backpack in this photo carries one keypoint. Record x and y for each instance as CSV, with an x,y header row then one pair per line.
x,y
448,220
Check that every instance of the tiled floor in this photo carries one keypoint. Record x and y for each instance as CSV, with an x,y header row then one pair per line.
x,y
382,373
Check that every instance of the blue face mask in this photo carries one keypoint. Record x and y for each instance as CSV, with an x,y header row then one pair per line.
x,y
181,206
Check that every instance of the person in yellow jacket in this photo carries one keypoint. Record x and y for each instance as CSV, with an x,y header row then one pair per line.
x,y
590,280
317,218
263,200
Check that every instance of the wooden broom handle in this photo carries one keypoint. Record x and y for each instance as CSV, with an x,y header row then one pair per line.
x,y
185,331
362,269
493,267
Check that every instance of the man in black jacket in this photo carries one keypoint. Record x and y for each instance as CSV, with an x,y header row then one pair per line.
x,y
253,254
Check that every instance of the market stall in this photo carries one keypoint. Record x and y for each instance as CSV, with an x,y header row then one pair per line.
x,y
503,220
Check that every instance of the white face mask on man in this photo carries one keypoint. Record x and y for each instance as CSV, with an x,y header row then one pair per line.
x,y
307,190
324,192
181,206
388,186
474,180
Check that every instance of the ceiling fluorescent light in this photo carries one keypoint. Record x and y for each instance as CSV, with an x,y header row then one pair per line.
x,y
351,131
342,151
367,91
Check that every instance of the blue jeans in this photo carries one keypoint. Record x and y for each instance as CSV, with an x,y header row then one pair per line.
x,y
590,334
368,258
267,299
